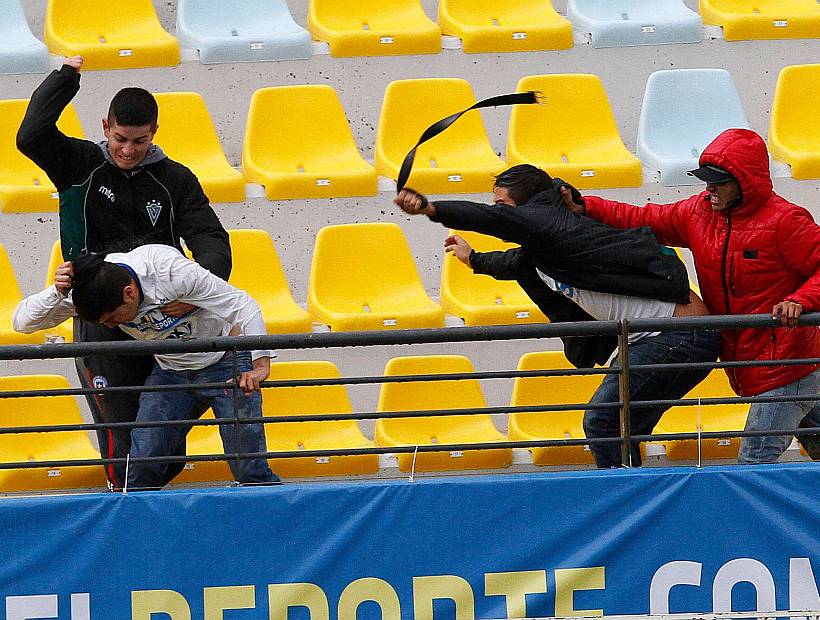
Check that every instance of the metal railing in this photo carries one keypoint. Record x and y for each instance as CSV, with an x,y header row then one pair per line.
x,y
621,329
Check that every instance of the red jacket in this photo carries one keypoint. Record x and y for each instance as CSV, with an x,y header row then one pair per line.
x,y
758,253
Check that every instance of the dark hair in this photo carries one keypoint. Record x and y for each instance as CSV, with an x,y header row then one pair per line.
x,y
133,107
96,286
523,182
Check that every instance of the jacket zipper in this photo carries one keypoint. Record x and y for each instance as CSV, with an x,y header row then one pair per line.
x,y
723,261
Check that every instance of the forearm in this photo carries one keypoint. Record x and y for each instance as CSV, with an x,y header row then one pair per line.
x,y
38,131
44,310
668,222
497,221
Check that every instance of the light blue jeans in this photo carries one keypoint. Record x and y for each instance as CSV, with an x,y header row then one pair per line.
x,y
167,440
785,417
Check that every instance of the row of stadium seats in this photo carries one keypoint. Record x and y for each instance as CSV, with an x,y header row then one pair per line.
x,y
128,34
345,434
298,142
391,297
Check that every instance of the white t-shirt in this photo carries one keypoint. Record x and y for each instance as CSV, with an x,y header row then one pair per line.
x,y
611,307
163,275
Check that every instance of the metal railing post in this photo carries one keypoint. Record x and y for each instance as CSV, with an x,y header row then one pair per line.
x,y
236,397
623,390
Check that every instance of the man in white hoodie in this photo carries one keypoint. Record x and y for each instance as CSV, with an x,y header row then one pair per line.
x,y
128,291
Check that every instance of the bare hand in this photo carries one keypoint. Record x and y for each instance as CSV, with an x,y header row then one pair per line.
x,y
569,203
788,312
63,277
74,61
413,203
459,247
177,308
250,379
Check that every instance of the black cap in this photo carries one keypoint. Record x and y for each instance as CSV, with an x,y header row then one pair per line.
x,y
712,174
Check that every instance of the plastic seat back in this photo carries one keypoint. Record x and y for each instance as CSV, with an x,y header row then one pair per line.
x,y
298,144
363,277
187,134
618,23
24,187
573,135
373,27
481,299
109,34
9,298
772,19
794,133
241,30
324,435
683,110
258,270
50,446
492,26
562,390
437,395
712,418
459,160
20,51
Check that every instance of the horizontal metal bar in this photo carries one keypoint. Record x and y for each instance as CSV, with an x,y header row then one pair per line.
x,y
392,337
459,447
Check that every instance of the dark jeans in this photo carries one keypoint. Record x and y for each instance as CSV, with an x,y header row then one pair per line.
x,y
166,441
665,348
112,371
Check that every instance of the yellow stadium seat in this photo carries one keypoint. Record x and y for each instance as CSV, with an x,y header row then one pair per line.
x,y
204,440
257,270
64,330
298,436
54,446
292,436
109,34
298,144
186,133
23,186
493,26
9,298
363,277
373,27
459,160
545,425
573,135
763,19
714,418
419,395
794,133
481,299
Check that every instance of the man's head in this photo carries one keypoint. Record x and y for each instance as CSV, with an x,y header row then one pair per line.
x,y
515,186
103,292
130,126
723,187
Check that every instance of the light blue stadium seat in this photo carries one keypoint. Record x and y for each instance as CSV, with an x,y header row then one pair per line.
x,y
618,23
683,111
20,51
241,30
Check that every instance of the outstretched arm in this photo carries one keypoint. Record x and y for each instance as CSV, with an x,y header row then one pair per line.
x,y
668,222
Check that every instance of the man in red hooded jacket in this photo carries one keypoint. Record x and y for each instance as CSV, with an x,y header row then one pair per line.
x,y
754,252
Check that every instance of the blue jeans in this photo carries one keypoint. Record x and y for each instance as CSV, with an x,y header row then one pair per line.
x,y
782,416
665,348
167,440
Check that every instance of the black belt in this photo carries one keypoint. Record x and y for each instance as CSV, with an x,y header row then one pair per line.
x,y
439,126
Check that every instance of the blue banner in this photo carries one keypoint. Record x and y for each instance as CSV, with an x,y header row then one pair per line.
x,y
543,544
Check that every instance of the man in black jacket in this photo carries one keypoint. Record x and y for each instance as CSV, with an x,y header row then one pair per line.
x,y
115,196
605,273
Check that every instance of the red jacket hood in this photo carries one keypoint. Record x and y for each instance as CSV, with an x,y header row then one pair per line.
x,y
743,153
